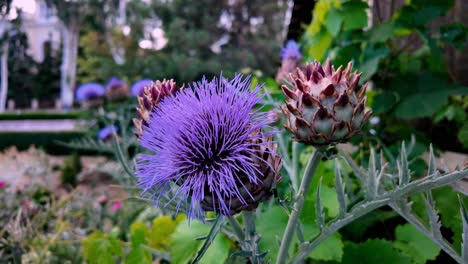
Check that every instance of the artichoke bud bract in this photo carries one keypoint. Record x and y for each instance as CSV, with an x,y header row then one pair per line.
x,y
150,98
323,106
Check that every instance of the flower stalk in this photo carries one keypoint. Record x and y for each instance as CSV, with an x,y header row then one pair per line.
x,y
251,238
298,205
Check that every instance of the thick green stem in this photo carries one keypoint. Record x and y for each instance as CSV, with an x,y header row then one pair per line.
x,y
236,228
251,239
297,207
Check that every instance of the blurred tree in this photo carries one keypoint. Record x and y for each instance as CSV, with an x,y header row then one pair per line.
x,y
208,35
5,7
75,15
22,67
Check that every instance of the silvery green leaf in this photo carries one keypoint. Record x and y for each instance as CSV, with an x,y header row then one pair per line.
x,y
354,167
432,162
411,145
120,155
403,171
464,214
340,190
320,214
431,210
371,183
209,238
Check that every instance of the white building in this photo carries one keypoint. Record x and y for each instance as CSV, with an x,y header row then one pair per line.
x,y
42,26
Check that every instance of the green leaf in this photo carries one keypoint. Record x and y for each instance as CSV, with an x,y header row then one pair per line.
x,y
455,34
184,245
329,250
333,21
373,251
421,105
138,255
270,226
161,231
426,14
318,44
354,15
138,233
218,252
381,32
463,135
384,101
415,244
370,61
101,248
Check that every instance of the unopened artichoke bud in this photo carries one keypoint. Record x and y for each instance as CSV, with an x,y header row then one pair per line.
x,y
150,98
117,90
324,108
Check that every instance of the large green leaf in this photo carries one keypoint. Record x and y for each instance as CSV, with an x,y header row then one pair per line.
x,y
184,245
270,226
333,21
354,14
421,105
381,32
370,60
318,44
415,244
373,251
384,101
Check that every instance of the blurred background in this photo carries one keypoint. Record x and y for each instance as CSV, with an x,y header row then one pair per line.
x,y
71,71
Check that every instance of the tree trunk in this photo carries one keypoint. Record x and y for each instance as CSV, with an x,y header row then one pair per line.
x,y
301,15
68,68
4,81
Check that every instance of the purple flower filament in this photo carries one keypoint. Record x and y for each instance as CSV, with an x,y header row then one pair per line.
x,y
203,141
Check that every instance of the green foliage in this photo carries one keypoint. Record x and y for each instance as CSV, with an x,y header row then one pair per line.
x,y
70,170
415,244
404,58
101,248
373,251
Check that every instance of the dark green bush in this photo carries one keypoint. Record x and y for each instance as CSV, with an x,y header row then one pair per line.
x,y
71,168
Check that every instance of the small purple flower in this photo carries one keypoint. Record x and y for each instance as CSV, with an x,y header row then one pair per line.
x,y
138,86
106,133
89,91
114,83
291,51
2,184
204,142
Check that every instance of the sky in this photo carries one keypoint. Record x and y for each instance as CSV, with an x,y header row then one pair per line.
x,y
27,5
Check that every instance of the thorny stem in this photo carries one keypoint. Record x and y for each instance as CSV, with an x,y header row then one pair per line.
x,y
251,237
295,165
236,228
430,182
297,207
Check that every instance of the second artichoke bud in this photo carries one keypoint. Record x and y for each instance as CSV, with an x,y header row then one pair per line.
x,y
324,108
150,98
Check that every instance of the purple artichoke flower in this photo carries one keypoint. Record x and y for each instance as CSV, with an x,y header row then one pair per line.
x,y
89,91
291,51
114,82
138,86
106,133
207,142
